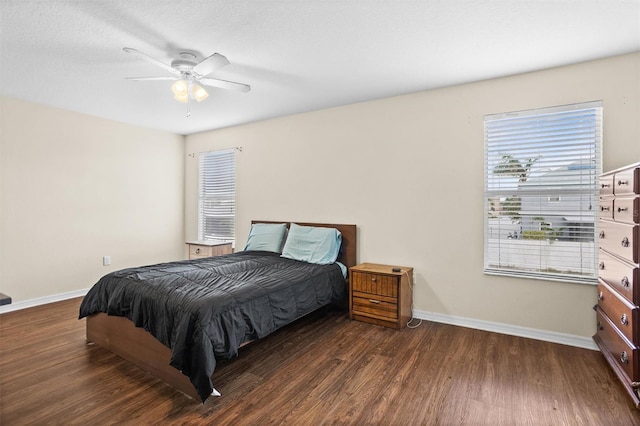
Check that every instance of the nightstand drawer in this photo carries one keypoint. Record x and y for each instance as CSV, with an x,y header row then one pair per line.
x,y
375,307
375,284
199,250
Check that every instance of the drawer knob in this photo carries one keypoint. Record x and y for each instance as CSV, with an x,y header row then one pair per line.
x,y
624,358
374,279
198,250
625,282
623,182
605,185
625,242
622,209
601,235
601,265
604,208
600,296
624,320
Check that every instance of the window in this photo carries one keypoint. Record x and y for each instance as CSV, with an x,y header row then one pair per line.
x,y
541,192
216,195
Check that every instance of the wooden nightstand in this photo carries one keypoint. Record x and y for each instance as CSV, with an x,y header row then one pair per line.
x,y
200,249
378,295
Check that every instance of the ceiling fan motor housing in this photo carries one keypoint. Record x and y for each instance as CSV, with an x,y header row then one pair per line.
x,y
186,61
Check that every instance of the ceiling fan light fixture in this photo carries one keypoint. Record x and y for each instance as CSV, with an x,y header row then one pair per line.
x,y
198,92
180,88
183,97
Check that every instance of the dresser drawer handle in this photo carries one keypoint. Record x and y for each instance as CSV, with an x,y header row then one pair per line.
x,y
600,296
374,301
625,282
624,320
625,242
623,182
622,209
605,185
624,358
604,208
601,235
601,265
198,250
374,279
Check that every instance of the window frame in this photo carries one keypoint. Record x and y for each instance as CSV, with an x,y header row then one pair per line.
x,y
216,195
552,191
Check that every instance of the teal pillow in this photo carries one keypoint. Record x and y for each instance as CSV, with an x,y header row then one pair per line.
x,y
312,244
266,237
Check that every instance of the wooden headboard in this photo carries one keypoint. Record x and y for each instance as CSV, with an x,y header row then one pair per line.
x,y
347,251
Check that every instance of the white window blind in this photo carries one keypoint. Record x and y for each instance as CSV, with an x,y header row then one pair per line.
x,y
216,195
541,192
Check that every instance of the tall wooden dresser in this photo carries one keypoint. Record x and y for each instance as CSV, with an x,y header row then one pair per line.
x,y
618,326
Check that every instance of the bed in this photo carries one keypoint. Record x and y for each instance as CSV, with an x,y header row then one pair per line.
x,y
176,319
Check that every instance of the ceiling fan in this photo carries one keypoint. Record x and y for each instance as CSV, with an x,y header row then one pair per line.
x,y
189,75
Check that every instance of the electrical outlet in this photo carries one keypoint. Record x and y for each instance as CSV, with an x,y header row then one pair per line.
x,y
106,260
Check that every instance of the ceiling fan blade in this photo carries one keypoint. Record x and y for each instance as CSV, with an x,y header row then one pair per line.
x,y
151,78
210,64
151,60
223,84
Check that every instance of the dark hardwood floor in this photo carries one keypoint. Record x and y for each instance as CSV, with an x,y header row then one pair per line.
x,y
324,369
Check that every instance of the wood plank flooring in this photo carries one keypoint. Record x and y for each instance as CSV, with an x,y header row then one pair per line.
x,y
324,369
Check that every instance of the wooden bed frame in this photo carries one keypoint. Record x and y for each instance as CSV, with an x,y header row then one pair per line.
x,y
120,336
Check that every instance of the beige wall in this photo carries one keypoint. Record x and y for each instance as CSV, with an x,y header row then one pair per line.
x,y
74,188
408,171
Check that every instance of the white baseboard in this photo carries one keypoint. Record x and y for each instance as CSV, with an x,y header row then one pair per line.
x,y
42,300
513,330
496,327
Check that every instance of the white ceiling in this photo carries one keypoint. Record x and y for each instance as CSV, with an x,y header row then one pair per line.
x,y
297,55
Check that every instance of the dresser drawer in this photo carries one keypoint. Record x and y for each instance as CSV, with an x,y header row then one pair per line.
x,y
620,311
606,208
606,185
625,355
621,276
620,239
627,182
375,307
626,209
375,284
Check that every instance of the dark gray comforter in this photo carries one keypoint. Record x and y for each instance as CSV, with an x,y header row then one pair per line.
x,y
206,308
